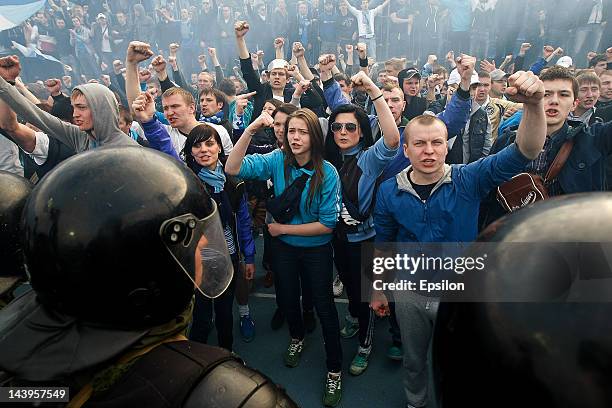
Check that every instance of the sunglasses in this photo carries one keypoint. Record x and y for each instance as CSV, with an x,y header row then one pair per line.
x,y
337,127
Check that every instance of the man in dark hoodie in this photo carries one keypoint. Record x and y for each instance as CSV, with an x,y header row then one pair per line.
x,y
409,80
95,117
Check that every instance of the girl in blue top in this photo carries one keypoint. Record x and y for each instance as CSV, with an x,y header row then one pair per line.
x,y
360,162
304,244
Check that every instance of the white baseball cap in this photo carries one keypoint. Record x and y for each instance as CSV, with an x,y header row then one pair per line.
x,y
565,61
454,78
277,63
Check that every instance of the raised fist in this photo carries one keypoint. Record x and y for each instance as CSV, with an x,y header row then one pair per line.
x,y
362,50
263,121
137,52
465,66
54,86
143,107
174,47
144,75
117,65
450,56
212,52
301,87
241,28
547,51
327,62
298,49
591,55
349,49
292,70
525,87
279,43
361,81
524,48
159,64
10,67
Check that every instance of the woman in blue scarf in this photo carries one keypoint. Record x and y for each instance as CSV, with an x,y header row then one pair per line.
x,y
203,153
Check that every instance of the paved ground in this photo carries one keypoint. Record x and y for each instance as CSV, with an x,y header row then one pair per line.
x,y
379,386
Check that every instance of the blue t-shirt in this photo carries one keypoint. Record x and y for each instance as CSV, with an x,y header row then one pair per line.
x,y
325,206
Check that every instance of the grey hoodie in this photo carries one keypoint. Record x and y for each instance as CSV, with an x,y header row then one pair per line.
x,y
105,114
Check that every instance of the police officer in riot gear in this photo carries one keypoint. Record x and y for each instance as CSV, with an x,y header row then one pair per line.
x,y
14,192
116,241
543,337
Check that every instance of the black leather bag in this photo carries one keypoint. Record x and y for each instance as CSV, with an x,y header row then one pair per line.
x,y
284,207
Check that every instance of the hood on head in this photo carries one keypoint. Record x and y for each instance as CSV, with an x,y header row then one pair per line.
x,y
105,112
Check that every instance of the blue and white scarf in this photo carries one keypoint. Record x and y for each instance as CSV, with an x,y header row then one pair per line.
x,y
215,179
217,118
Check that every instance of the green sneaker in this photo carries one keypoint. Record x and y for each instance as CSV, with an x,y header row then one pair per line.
x,y
395,353
333,390
359,363
293,353
350,329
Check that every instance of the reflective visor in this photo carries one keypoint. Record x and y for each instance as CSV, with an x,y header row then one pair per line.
x,y
199,247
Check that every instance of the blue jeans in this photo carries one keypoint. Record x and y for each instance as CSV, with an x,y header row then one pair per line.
x,y
313,266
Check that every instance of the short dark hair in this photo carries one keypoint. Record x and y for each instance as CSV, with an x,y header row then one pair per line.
x,y
341,77
220,97
559,72
483,74
597,59
228,87
198,134
285,108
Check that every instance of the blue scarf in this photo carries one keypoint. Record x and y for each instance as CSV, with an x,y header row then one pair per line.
x,y
215,179
217,118
353,150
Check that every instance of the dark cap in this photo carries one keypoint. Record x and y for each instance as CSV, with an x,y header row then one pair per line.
x,y
407,74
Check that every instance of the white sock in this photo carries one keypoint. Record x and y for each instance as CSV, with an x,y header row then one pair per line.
x,y
365,350
243,310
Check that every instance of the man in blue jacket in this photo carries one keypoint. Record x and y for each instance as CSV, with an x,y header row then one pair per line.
x,y
431,201
585,169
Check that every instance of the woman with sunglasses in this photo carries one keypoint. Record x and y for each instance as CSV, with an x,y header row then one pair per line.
x,y
303,248
351,149
203,153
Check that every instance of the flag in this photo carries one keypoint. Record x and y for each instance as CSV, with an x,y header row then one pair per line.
x,y
15,12
33,52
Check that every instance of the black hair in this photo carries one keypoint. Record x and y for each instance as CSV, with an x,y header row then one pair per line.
x,y
199,134
227,87
332,151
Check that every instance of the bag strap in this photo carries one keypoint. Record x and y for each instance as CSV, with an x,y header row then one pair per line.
x,y
560,160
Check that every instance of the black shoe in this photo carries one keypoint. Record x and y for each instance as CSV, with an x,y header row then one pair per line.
x,y
309,320
277,320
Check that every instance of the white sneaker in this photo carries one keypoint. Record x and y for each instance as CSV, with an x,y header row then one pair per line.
x,y
338,286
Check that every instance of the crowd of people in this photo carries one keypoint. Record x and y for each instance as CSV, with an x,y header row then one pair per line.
x,y
298,131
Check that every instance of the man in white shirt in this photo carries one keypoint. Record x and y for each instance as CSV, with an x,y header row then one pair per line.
x,y
365,23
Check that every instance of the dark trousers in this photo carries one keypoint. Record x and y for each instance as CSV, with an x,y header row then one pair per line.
x,y
267,259
347,258
202,323
313,266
